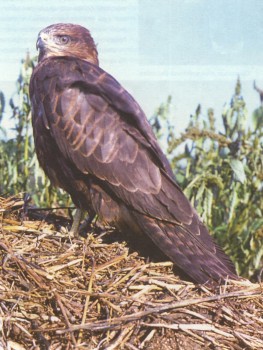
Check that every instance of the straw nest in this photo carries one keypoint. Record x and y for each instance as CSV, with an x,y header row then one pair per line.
x,y
59,292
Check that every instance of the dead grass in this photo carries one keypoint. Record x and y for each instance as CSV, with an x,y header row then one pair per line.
x,y
58,292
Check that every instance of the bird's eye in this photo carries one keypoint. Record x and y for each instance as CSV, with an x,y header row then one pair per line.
x,y
62,39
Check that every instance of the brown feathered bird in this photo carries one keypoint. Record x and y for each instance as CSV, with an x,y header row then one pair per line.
x,y
93,140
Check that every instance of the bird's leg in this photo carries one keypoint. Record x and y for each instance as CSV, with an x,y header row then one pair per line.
x,y
85,226
80,230
76,222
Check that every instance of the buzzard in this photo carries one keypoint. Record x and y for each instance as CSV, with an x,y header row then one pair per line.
x,y
93,140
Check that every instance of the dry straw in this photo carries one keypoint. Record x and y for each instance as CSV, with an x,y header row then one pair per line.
x,y
58,292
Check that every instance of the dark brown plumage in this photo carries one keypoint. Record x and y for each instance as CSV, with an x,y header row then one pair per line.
x,y
93,140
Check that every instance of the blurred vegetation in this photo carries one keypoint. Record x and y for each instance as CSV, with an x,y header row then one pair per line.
x,y
19,168
221,172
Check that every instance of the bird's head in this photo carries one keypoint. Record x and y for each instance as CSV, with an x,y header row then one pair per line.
x,y
65,39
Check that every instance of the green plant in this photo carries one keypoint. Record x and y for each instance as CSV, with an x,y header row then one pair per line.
x,y
222,175
19,168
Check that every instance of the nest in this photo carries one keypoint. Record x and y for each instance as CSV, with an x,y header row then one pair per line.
x,y
60,292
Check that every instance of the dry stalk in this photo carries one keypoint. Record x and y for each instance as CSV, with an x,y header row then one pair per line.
x,y
60,292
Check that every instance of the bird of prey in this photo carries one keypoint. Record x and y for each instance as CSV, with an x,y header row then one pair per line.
x,y
93,140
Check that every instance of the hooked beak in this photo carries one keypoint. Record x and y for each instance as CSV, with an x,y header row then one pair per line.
x,y
41,41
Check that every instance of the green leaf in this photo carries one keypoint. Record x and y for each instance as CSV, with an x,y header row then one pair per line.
x,y
233,203
257,118
238,169
258,258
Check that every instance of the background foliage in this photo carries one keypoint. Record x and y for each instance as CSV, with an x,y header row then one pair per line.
x,y
19,168
221,172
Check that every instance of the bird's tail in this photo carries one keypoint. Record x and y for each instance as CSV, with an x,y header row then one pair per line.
x,y
201,261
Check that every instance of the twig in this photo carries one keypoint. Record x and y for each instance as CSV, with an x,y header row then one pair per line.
x,y
191,326
87,300
117,322
57,296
